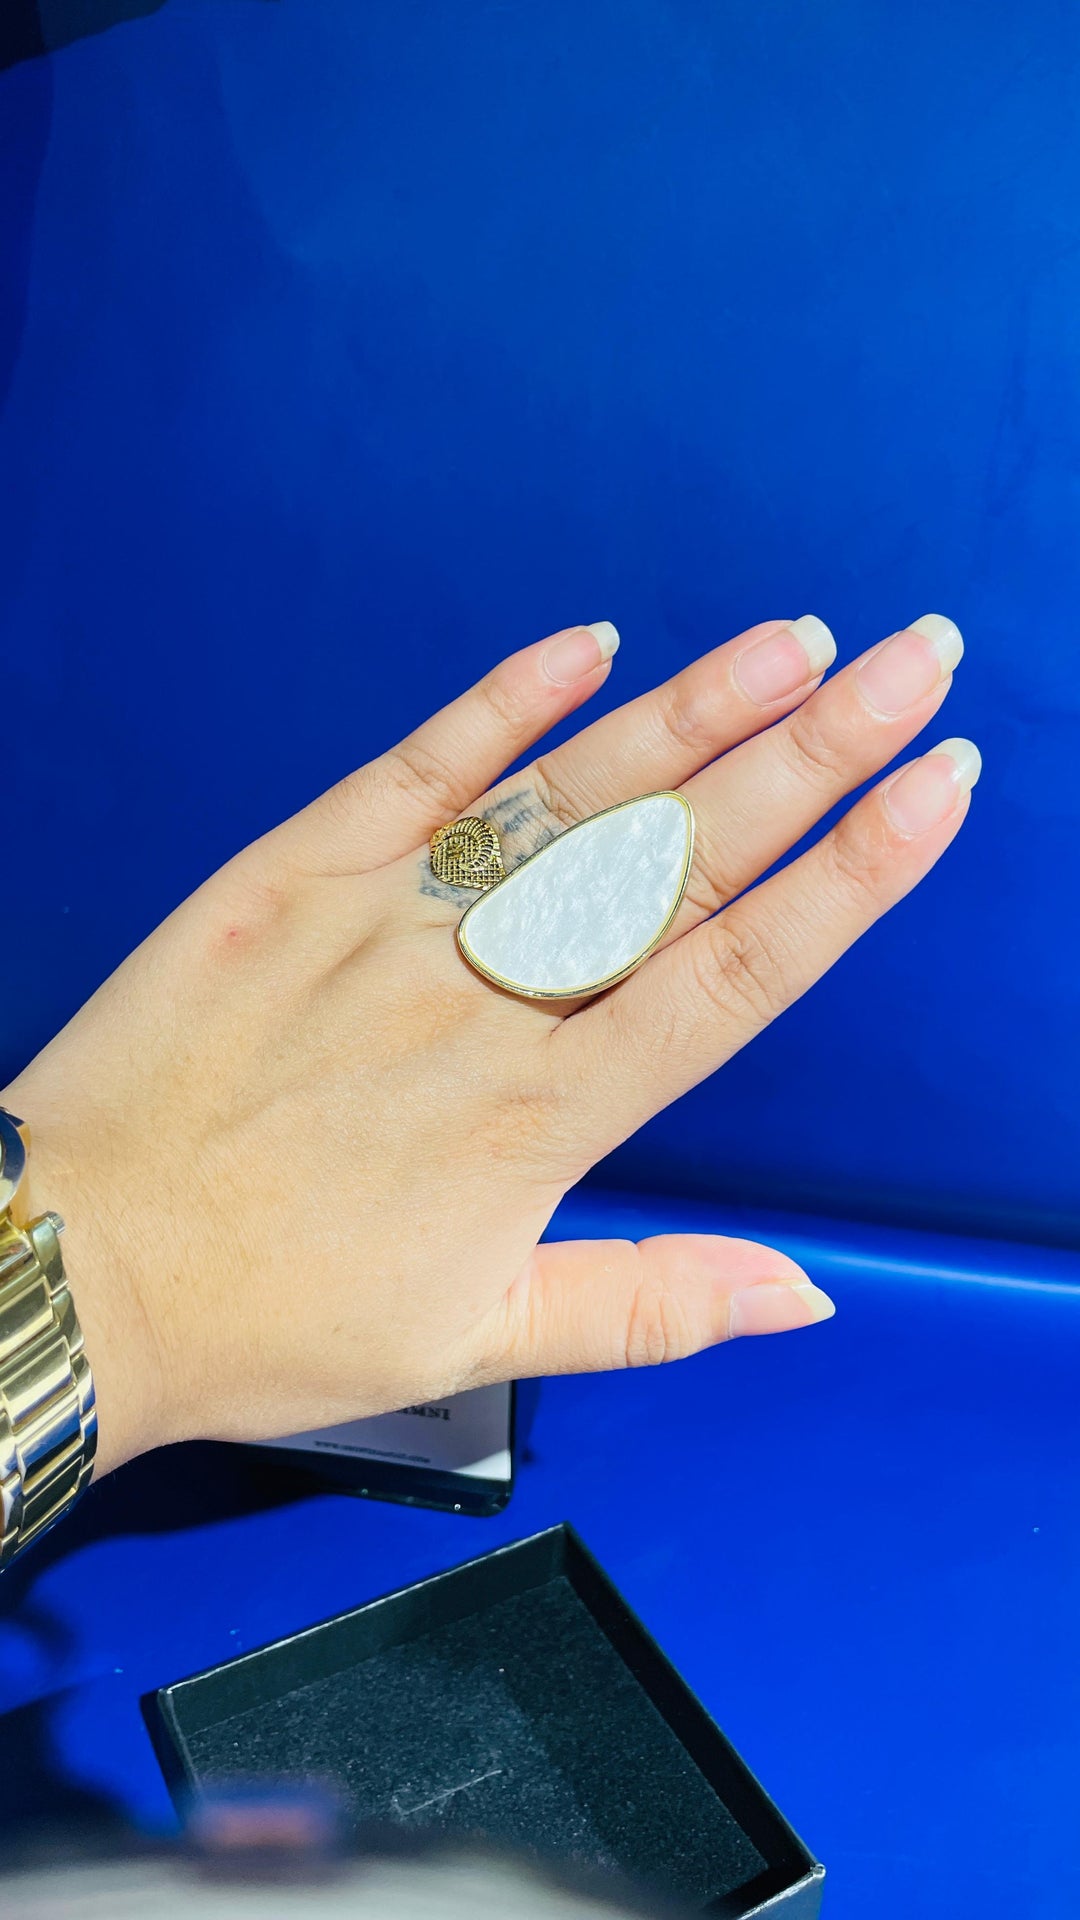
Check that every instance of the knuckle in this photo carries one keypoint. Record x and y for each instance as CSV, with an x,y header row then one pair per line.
x,y
818,758
554,794
856,865
737,970
346,799
414,769
686,722
702,896
503,698
657,1329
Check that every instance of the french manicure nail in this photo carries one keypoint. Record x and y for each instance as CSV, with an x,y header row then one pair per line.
x,y
944,635
575,653
924,794
781,663
607,637
777,1308
910,665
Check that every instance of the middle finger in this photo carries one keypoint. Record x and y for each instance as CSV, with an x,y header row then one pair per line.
x,y
666,735
763,796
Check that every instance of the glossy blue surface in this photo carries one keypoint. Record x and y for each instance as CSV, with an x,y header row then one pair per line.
x,y
860,1544
344,346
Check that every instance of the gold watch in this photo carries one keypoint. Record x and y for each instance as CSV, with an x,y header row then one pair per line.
x,y
48,1421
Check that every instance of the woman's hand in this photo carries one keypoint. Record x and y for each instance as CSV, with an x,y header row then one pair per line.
x,y
306,1155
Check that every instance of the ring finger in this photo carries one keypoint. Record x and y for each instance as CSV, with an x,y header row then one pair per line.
x,y
760,799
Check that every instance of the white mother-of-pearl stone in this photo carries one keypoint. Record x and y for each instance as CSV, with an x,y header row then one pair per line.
x,y
588,907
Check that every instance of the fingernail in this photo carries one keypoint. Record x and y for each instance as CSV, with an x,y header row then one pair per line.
x,y
924,794
783,662
910,665
773,1308
608,637
578,652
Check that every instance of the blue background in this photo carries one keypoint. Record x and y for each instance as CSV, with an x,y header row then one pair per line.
x,y
347,346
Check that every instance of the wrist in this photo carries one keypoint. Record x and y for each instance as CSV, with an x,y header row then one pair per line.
x,y
64,1175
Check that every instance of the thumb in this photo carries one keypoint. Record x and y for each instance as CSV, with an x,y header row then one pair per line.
x,y
581,1306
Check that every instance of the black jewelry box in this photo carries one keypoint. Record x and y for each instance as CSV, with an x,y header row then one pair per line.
x,y
515,1700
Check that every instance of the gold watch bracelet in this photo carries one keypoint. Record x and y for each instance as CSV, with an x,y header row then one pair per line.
x,y
48,1419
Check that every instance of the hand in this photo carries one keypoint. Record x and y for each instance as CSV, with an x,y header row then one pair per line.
x,y
306,1155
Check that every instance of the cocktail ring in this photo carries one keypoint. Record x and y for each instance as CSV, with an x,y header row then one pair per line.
x,y
581,913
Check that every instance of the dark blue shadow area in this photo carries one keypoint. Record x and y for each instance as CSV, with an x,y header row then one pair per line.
x,y
24,135
29,28
171,1492
360,343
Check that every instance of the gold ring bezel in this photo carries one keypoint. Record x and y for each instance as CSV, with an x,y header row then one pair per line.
x,y
612,979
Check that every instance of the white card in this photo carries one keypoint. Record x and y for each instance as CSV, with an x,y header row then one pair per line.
x,y
468,1433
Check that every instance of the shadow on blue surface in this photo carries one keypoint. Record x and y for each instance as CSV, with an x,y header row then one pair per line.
x,y
24,137
29,28
171,1492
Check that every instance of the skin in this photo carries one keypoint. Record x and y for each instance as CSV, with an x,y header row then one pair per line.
x,y
305,1155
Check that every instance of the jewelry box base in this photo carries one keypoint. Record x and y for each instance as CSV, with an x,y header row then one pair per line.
x,y
513,1702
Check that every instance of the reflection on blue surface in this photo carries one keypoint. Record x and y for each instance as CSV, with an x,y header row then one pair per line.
x,y
859,1543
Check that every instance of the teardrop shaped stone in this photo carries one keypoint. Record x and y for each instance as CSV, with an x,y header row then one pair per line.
x,y
587,908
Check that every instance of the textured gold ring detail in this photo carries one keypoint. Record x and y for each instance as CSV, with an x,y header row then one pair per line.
x,y
467,853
